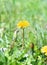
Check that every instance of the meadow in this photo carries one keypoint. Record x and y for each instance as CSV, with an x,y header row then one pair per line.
x,y
23,32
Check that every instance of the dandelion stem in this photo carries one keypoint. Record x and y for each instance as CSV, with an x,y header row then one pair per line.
x,y
23,38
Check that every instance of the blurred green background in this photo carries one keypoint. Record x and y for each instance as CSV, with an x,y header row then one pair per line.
x,y
13,11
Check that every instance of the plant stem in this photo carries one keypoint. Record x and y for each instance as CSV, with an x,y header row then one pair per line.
x,y
23,38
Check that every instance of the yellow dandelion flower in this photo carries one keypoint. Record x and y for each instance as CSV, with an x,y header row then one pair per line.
x,y
44,50
23,24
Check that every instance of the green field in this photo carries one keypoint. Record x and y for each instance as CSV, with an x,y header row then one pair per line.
x,y
22,46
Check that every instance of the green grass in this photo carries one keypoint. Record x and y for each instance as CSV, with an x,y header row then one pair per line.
x,y
13,11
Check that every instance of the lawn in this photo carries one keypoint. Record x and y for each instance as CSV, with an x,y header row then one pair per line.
x,y
23,32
